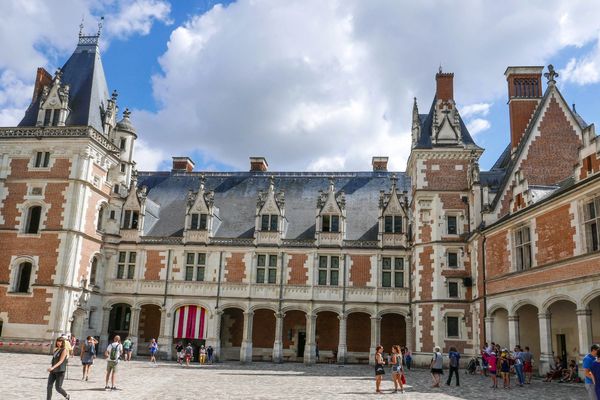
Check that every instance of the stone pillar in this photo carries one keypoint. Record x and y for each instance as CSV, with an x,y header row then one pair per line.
x,y
342,347
278,344
104,328
584,328
310,347
489,328
134,325
165,340
513,331
409,335
218,316
246,348
375,337
545,321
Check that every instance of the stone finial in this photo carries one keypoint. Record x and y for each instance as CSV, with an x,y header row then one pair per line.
x,y
551,75
100,24
81,27
114,95
126,113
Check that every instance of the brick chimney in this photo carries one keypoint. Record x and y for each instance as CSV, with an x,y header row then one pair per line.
x,y
182,164
524,94
379,163
258,164
42,78
444,85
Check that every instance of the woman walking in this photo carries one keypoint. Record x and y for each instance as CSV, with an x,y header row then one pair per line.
x,y
379,371
437,365
397,370
88,353
153,351
58,368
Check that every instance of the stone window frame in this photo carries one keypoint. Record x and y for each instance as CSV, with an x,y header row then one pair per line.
x,y
329,270
330,224
458,215
127,264
268,268
460,321
459,291
459,257
514,245
199,226
270,218
393,271
197,267
15,263
586,219
23,217
32,160
98,257
127,223
394,224
101,217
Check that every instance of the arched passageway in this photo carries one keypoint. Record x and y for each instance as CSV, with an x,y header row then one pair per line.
x,y
232,332
294,335
358,337
327,336
263,334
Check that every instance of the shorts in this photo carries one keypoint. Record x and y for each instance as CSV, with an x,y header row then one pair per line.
x,y
527,367
188,357
87,362
126,351
492,372
111,366
437,371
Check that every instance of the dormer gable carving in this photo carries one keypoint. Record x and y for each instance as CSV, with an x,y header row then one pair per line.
x,y
416,123
132,216
54,103
393,216
201,218
270,215
331,216
589,154
521,195
109,116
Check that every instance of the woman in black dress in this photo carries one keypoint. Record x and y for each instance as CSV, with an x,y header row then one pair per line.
x,y
58,368
379,371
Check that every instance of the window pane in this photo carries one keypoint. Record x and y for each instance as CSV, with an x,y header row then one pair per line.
x,y
386,279
398,224
126,219
122,256
451,225
519,258
272,261
388,224
260,275
452,289
38,159
132,257
590,211
203,220
527,256
322,277
399,264
264,223
201,259
273,222
194,221
261,262
323,262
325,222
24,277
399,279
594,236
93,271
130,272
526,238
452,323
453,260
272,275
335,262
46,159
189,273
120,271
190,258
335,223
334,277
134,219
200,274
33,223
47,116
386,263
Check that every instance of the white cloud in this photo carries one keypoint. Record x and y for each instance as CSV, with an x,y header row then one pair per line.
x,y
478,125
584,70
137,17
147,158
471,110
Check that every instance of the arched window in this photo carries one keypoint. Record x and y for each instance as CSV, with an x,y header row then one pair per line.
x,y
23,278
100,222
93,271
33,219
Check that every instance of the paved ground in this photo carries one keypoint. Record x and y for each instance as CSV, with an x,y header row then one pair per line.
x,y
23,376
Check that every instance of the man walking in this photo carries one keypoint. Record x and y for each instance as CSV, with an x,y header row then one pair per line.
x,y
588,361
113,352
454,360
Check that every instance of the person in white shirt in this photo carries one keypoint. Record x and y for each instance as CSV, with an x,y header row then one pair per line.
x,y
112,353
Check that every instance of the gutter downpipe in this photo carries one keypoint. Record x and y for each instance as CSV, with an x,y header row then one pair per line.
x,y
167,277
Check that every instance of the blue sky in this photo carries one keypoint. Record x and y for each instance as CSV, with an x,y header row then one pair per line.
x,y
318,85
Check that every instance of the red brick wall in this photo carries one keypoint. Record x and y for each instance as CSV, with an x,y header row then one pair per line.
x,y
292,321
426,273
555,235
328,330
393,331
427,321
447,177
154,264
497,256
520,114
60,169
298,272
149,322
263,329
26,310
10,212
358,332
360,271
235,268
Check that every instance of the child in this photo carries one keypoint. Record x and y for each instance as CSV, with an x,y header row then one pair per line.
x,y
153,351
492,366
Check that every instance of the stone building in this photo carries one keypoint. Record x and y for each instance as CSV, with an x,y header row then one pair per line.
x,y
281,266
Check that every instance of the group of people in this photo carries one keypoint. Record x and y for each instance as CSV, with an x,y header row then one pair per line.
x,y
499,362
205,354
397,362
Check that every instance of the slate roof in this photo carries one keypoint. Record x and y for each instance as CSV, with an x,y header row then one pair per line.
x,y
426,120
236,196
88,93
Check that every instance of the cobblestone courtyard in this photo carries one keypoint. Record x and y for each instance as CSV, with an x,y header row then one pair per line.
x,y
23,376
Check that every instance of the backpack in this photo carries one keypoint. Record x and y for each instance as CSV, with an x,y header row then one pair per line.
x,y
188,350
453,360
90,349
113,352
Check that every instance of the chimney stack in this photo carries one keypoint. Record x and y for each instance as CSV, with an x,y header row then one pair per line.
x,y
258,164
379,163
182,164
524,95
42,78
444,85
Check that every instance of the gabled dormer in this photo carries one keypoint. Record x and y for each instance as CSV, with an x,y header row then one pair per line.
x,y
201,217
446,129
54,103
132,214
589,154
393,217
331,217
270,215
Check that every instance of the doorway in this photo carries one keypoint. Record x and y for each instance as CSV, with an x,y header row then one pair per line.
x,y
301,344
561,342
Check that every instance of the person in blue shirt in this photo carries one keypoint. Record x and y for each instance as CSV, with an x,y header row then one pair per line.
x,y
454,362
588,363
595,369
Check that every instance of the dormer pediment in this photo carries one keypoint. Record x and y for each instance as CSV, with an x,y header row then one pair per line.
x,y
202,201
447,132
330,202
270,202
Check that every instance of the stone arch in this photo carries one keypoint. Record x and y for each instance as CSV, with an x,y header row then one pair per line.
x,y
588,298
529,326
119,320
196,302
564,328
521,303
499,333
327,308
263,306
555,299
241,306
118,300
149,323
290,308
232,327
363,310
495,307
327,333
16,271
397,311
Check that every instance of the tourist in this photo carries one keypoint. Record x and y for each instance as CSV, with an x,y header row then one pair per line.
x,y
588,361
556,370
202,355
209,353
519,361
73,342
379,371
453,362
570,373
407,358
88,353
189,353
493,368
437,366
595,370
484,361
397,372
180,353
58,368
153,350
127,349
68,346
505,368
113,352
527,364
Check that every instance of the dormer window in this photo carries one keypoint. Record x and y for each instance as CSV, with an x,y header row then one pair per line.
x,y
42,159
393,224
130,220
451,224
198,222
269,222
330,223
